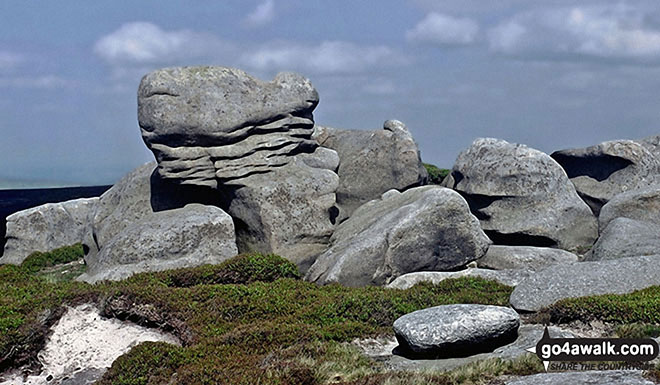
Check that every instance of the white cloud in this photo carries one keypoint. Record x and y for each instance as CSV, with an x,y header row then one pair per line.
x,y
9,60
614,32
441,29
146,43
329,57
263,14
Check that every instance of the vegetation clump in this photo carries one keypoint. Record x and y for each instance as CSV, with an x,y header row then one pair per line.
x,y
436,175
39,260
249,320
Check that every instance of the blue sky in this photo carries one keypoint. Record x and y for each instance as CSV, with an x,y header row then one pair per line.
x,y
551,74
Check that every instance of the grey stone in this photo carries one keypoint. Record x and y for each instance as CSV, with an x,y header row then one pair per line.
x,y
580,279
84,377
524,257
372,162
624,237
505,277
640,204
528,336
213,124
601,172
652,144
608,377
288,211
423,229
456,330
522,196
190,236
46,227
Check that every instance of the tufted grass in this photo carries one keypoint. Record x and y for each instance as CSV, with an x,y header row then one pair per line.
x,y
436,175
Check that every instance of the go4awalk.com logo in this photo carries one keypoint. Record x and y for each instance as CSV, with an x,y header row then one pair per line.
x,y
579,353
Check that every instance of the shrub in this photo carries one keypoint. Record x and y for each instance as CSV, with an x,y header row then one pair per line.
x,y
436,175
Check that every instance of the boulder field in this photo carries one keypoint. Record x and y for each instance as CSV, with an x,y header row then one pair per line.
x,y
241,166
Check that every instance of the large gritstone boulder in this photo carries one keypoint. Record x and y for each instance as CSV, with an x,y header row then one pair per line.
x,y
423,229
641,204
190,236
601,172
252,141
582,279
625,237
46,227
456,330
372,162
522,196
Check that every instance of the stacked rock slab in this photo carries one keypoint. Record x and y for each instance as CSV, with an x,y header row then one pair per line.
x,y
252,141
422,229
522,196
372,162
46,227
601,172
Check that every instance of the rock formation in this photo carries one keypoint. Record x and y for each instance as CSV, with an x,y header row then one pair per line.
x,y
423,229
252,141
46,227
524,257
625,237
372,162
522,196
640,204
456,330
601,172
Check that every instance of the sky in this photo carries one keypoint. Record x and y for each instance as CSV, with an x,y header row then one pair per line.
x,y
551,74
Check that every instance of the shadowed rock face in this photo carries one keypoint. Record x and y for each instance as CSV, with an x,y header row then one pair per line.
x,y
212,124
522,196
600,172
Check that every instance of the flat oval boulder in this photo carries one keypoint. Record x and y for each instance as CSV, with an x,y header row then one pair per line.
x,y
505,277
581,279
456,330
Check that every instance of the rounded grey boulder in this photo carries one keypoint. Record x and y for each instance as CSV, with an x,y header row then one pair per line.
x,y
522,196
640,204
456,330
372,162
524,257
190,236
625,237
46,227
422,229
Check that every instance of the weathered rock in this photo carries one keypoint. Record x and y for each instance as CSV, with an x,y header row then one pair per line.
x,y
522,196
423,229
137,196
627,377
524,257
581,279
505,277
252,141
212,124
372,162
624,237
190,236
289,212
601,172
46,227
640,204
528,335
652,144
456,330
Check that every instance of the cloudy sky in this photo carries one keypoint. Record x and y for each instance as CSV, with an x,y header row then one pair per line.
x,y
552,74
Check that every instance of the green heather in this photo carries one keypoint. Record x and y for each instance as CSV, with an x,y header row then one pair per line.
x,y
436,175
252,320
